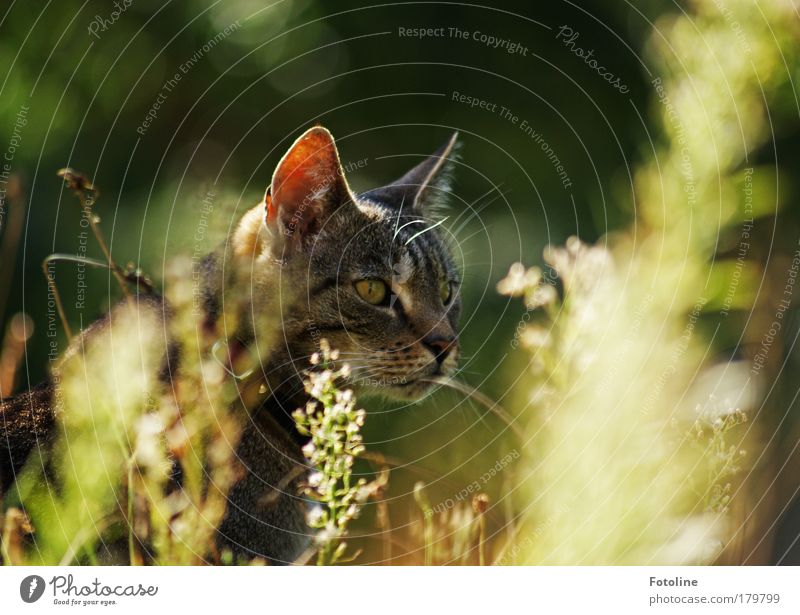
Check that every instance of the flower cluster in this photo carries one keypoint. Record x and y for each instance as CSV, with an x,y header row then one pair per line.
x,y
564,307
710,433
334,425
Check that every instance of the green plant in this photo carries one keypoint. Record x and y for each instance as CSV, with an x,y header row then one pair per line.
x,y
614,359
711,434
122,435
333,424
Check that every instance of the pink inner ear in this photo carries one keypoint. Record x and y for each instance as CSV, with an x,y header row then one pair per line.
x,y
306,180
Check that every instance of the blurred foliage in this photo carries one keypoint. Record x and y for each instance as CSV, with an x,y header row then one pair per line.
x,y
659,184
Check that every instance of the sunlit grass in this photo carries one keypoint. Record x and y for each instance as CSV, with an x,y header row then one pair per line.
x,y
630,451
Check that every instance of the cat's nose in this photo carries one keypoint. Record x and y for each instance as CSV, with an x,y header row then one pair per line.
x,y
440,346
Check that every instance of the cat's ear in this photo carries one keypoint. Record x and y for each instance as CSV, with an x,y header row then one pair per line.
x,y
424,189
307,187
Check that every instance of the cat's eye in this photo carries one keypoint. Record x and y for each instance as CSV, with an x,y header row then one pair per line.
x,y
372,291
445,291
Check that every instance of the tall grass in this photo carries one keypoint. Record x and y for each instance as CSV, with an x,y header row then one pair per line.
x,y
632,449
625,462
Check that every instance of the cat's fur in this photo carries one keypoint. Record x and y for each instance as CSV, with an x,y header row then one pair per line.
x,y
295,257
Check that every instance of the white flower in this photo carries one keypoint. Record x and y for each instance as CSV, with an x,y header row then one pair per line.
x,y
148,439
308,449
519,280
541,296
314,515
535,337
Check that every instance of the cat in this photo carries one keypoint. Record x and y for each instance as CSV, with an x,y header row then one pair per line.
x,y
371,273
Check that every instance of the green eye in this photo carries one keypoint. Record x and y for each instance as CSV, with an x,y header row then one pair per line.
x,y
372,291
445,291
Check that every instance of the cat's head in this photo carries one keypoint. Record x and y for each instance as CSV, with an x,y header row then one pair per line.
x,y
372,271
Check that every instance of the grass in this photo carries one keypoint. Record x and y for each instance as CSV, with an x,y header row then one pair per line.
x,y
626,454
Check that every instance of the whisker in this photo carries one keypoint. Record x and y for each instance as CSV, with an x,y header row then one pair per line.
x,y
473,393
470,208
425,230
477,211
468,237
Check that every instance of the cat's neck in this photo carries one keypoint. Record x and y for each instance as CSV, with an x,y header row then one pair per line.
x,y
280,408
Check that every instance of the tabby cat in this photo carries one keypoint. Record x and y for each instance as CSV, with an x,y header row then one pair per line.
x,y
371,273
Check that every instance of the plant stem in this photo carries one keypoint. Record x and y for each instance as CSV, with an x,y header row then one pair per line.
x,y
51,285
